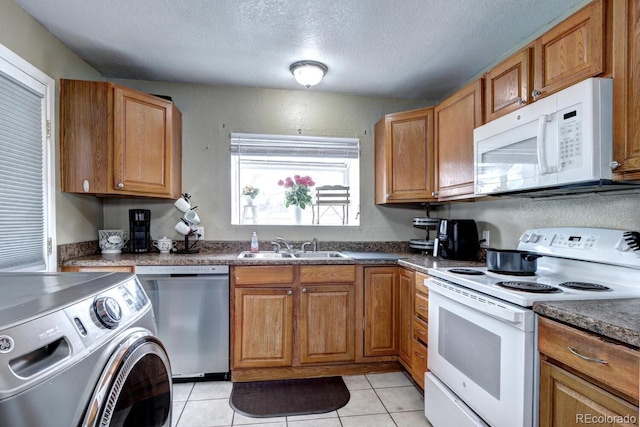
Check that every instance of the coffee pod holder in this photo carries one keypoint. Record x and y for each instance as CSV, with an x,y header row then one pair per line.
x,y
193,230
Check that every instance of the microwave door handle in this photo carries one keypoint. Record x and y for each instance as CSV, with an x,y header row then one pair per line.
x,y
540,143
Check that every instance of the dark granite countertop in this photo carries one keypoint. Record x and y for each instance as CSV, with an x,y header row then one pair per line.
x,y
617,319
417,262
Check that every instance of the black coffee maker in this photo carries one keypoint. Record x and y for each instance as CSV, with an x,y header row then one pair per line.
x,y
139,230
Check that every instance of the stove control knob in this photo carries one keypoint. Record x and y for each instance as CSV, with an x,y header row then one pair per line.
x,y
534,237
525,238
108,311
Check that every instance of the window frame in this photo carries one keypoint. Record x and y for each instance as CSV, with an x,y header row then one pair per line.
x,y
27,74
345,150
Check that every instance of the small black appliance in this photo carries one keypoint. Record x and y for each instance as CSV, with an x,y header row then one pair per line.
x,y
458,239
139,230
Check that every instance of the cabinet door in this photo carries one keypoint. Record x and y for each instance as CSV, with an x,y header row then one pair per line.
x,y
327,323
456,118
263,327
567,400
143,143
404,157
626,89
508,85
571,51
406,292
381,304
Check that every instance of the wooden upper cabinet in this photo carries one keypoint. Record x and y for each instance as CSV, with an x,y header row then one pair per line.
x,y
626,89
508,84
572,51
404,161
455,119
118,141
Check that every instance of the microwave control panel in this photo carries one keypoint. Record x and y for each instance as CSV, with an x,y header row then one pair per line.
x,y
570,143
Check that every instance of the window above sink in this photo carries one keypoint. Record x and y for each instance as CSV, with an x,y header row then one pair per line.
x,y
272,174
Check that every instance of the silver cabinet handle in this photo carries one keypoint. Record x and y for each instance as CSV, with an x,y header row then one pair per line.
x,y
614,165
120,185
535,93
289,292
520,101
588,359
304,290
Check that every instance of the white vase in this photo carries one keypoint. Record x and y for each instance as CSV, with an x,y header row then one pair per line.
x,y
248,200
297,214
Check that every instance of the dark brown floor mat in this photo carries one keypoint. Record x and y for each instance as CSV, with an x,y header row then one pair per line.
x,y
262,399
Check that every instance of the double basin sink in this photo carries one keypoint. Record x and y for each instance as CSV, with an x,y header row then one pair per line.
x,y
291,255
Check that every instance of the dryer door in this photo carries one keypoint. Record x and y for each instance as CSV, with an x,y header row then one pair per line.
x,y
135,387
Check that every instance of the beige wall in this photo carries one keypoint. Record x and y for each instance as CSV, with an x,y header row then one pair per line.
x,y
211,113
77,216
507,218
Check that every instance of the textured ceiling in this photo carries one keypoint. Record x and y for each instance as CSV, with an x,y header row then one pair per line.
x,y
417,49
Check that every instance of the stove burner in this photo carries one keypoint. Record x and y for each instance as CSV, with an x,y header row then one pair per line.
x,y
584,286
513,273
529,287
467,271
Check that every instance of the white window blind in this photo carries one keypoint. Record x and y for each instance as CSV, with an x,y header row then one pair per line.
x,y
24,182
294,146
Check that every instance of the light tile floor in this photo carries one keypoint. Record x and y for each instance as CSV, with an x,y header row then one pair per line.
x,y
377,400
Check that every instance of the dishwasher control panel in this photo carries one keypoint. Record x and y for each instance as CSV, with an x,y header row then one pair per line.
x,y
182,269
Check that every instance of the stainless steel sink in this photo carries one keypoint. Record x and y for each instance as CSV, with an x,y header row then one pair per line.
x,y
264,255
290,255
320,254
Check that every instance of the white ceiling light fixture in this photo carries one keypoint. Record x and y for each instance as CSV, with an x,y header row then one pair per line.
x,y
308,73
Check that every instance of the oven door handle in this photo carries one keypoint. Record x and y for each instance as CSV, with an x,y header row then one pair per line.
x,y
482,304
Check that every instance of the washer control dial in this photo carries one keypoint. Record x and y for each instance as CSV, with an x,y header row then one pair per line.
x,y
108,311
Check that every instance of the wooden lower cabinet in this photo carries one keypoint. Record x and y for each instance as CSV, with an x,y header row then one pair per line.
x,y
585,378
567,400
406,296
381,308
290,317
263,327
420,329
327,323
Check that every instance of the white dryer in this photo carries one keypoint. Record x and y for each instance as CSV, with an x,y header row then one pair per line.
x,y
80,349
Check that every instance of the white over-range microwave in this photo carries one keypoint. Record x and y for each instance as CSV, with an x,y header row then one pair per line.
x,y
561,141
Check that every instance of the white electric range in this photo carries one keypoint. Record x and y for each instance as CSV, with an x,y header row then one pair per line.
x,y
482,331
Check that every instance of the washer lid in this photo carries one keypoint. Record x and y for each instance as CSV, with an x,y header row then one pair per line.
x,y
27,295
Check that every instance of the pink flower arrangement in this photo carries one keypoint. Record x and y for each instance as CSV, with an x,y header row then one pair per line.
x,y
297,190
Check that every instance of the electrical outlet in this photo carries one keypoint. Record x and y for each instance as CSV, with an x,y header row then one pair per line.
x,y
200,233
486,236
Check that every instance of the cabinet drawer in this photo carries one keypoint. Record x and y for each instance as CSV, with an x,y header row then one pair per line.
x,y
418,361
421,306
621,370
261,275
420,330
327,273
421,288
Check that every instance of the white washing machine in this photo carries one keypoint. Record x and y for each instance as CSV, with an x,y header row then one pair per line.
x,y
80,349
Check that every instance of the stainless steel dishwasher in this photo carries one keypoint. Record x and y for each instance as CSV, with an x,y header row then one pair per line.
x,y
191,306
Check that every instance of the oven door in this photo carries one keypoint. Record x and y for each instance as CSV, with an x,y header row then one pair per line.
x,y
483,350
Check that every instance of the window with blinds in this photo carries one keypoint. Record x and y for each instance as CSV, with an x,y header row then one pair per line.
x,y
26,201
281,170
